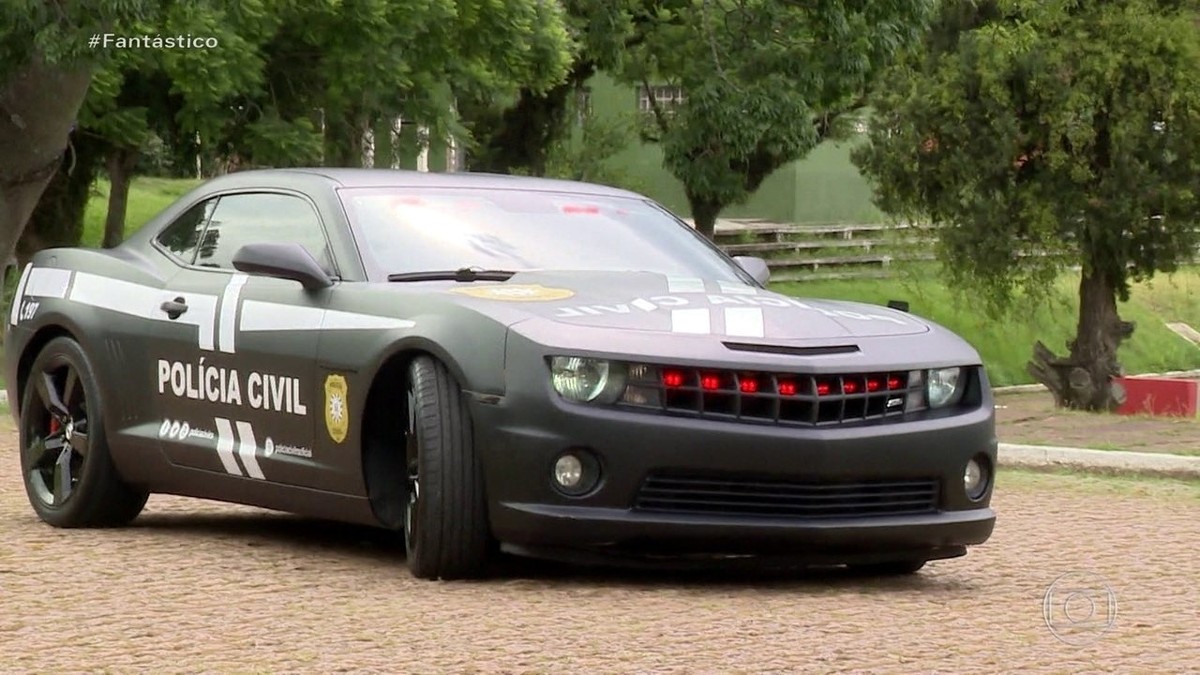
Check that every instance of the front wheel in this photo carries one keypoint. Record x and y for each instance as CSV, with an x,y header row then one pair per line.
x,y
445,520
69,476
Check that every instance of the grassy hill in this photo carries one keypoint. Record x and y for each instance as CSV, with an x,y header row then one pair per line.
x,y
1006,343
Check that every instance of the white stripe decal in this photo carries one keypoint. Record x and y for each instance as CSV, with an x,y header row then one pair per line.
x,y
229,305
269,316
247,449
225,446
729,288
48,282
260,316
119,296
16,302
146,303
690,321
644,305
685,285
744,322
338,320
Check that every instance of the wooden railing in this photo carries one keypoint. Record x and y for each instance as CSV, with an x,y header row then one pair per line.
x,y
826,250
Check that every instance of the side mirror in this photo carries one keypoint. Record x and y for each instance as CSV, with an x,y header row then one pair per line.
x,y
757,267
284,261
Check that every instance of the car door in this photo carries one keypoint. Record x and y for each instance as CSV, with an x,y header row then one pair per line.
x,y
240,399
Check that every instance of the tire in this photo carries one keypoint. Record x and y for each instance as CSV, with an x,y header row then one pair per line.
x,y
68,473
445,522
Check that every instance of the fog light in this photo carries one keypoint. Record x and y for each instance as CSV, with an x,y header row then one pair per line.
x,y
576,472
568,471
975,478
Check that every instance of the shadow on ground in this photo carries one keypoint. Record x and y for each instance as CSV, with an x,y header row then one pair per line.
x,y
375,545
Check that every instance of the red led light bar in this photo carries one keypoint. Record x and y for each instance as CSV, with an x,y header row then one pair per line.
x,y
874,384
787,388
823,388
895,382
748,385
851,387
710,382
672,378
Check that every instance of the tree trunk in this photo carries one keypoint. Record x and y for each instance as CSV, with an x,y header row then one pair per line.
x,y
1083,380
343,140
58,219
38,104
397,127
423,148
704,214
121,162
368,148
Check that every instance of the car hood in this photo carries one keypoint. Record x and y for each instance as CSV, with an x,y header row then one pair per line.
x,y
641,301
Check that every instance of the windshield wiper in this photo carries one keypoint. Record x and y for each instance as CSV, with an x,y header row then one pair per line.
x,y
462,275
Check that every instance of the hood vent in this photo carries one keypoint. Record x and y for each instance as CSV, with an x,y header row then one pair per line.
x,y
792,351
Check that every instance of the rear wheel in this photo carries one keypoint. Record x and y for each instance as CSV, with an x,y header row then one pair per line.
x,y
445,520
69,476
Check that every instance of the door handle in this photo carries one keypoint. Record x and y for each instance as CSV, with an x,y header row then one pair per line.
x,y
175,308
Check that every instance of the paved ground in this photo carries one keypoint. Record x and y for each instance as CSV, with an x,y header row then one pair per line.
x,y
1032,418
196,586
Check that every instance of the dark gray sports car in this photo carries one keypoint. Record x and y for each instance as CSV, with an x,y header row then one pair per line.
x,y
486,362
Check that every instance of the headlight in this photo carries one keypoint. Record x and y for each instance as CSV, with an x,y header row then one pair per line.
x,y
581,379
944,387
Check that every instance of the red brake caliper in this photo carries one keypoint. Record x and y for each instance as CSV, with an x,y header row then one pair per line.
x,y
54,426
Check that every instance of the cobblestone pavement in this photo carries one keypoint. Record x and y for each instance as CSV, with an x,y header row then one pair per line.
x,y
196,586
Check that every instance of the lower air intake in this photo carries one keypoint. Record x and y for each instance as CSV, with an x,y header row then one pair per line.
x,y
729,496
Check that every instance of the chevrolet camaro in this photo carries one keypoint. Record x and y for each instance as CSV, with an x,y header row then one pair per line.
x,y
487,363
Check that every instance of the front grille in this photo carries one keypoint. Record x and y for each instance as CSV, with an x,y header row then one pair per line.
x,y
778,398
731,496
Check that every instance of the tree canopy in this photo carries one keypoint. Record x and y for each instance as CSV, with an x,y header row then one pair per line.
x,y
764,82
1036,134
287,82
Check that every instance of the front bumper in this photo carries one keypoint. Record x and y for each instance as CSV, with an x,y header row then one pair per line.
x,y
521,435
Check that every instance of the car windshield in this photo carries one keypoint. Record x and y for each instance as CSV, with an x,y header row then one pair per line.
x,y
408,230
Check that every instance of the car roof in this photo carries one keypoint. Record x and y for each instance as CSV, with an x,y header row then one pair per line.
x,y
375,178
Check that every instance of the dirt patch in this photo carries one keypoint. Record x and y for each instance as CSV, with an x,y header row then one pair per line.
x,y
1032,418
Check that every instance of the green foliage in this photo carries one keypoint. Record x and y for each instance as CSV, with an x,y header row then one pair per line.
x,y
361,60
587,157
1037,134
274,141
281,68
764,81
177,91
58,32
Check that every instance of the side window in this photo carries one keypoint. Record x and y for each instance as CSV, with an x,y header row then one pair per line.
x,y
182,237
259,218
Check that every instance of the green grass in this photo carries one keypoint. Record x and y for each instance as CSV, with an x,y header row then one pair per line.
x,y
147,197
1006,344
